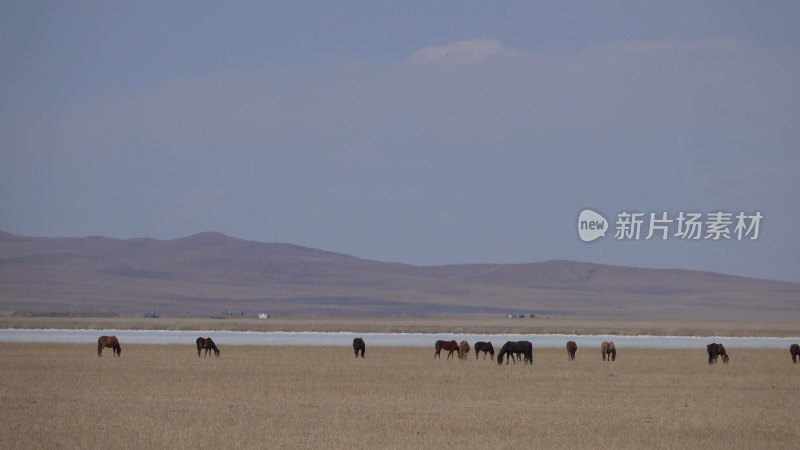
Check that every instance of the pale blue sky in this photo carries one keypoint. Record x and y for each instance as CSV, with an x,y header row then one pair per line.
x,y
452,132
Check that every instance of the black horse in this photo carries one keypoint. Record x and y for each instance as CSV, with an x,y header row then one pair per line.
x,y
485,347
794,349
520,348
359,346
715,351
206,344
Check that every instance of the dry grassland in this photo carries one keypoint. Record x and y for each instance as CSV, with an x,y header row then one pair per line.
x,y
64,396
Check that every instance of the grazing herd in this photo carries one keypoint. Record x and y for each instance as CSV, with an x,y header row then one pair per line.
x,y
511,350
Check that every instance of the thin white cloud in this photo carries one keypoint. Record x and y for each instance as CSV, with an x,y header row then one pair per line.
x,y
462,52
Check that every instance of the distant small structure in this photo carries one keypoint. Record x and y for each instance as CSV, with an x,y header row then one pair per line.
x,y
150,315
263,315
231,313
516,316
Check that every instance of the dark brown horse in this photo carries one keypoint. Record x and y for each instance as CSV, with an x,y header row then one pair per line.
x,y
608,349
206,344
485,347
463,350
450,346
108,342
523,349
359,346
794,349
572,347
715,351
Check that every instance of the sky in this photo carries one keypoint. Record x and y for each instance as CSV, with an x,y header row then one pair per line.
x,y
424,133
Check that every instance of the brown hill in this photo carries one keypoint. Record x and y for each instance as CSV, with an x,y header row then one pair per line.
x,y
209,273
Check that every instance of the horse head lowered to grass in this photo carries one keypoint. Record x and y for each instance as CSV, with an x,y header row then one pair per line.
x,y
523,349
108,342
208,345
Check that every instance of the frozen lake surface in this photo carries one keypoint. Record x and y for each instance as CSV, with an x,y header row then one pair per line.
x,y
381,339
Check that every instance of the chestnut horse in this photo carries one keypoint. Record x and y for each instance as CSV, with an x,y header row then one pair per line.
x,y
485,347
463,350
608,349
359,346
794,349
108,342
714,351
450,346
206,344
572,347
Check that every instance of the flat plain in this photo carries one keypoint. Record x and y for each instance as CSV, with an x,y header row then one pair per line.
x,y
468,324
155,396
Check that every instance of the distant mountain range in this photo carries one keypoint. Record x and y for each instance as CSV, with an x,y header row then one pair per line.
x,y
210,274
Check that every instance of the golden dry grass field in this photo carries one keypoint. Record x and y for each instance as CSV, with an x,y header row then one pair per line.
x,y
64,396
